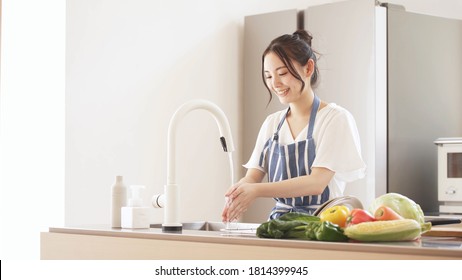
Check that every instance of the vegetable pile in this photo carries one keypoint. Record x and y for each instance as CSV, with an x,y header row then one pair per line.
x,y
395,218
301,226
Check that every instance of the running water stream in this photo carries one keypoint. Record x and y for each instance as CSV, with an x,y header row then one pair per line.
x,y
228,224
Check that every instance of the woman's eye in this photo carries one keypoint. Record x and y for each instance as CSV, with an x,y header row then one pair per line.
x,y
282,74
267,77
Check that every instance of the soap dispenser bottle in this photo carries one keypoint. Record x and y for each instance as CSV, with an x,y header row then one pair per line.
x,y
119,200
135,215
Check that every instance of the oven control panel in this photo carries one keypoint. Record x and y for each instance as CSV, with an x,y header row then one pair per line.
x,y
450,193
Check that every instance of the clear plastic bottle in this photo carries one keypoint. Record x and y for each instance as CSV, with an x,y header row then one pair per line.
x,y
119,200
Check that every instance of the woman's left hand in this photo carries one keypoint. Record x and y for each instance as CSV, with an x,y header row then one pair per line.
x,y
241,197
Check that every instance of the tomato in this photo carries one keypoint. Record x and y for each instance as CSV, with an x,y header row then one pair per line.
x,y
358,216
336,214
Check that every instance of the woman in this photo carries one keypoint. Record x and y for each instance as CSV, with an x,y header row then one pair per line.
x,y
309,151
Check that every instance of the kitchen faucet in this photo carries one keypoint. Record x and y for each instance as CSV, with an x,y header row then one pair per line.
x,y
170,199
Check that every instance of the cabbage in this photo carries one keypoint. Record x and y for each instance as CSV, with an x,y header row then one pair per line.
x,y
402,205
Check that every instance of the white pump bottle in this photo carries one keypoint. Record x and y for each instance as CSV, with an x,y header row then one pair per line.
x,y
118,200
135,215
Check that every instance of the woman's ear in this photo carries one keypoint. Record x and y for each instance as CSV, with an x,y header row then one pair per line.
x,y
309,68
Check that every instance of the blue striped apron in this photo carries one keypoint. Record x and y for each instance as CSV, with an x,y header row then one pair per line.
x,y
288,161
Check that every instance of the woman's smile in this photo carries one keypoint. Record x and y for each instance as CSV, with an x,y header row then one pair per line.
x,y
282,92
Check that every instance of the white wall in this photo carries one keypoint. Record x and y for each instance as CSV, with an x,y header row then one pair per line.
x,y
31,124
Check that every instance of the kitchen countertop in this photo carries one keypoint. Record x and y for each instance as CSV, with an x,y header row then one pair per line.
x,y
430,247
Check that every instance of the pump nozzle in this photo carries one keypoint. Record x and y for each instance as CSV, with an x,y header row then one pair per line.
x,y
135,199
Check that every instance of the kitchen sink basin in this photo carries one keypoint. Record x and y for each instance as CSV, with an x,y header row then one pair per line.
x,y
215,226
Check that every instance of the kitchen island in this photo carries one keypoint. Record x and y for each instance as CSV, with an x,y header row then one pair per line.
x,y
104,242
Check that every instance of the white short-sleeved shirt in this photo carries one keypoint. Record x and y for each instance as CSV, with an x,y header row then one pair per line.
x,y
336,139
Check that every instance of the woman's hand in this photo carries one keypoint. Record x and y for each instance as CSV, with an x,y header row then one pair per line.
x,y
239,198
245,189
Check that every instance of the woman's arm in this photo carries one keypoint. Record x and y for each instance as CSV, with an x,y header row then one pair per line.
x,y
245,192
253,175
313,184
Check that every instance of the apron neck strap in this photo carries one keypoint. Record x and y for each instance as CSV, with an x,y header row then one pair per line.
x,y
276,134
314,111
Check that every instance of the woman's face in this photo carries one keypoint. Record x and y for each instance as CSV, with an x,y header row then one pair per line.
x,y
283,84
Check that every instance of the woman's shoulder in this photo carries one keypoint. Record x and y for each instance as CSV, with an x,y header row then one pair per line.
x,y
333,115
332,110
274,118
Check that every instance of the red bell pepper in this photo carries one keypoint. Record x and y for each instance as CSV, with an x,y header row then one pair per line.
x,y
358,216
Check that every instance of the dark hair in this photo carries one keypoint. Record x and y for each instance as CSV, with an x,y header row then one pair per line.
x,y
296,46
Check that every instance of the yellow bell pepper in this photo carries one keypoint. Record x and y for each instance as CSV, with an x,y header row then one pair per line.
x,y
337,215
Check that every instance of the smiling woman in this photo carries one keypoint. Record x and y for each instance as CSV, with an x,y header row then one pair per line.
x,y
309,150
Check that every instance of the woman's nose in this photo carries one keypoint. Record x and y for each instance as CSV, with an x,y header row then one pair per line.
x,y
276,82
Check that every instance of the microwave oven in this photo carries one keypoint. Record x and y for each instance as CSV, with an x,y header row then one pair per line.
x,y
450,174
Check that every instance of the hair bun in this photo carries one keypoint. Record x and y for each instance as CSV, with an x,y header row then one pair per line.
x,y
304,35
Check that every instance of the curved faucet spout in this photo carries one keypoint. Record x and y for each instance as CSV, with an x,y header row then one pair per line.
x,y
220,118
171,209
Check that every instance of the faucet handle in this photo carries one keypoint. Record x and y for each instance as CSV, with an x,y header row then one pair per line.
x,y
158,201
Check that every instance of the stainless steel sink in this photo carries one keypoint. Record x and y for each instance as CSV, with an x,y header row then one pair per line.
x,y
214,226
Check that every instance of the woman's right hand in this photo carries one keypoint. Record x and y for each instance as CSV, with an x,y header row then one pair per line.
x,y
228,201
242,187
240,197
